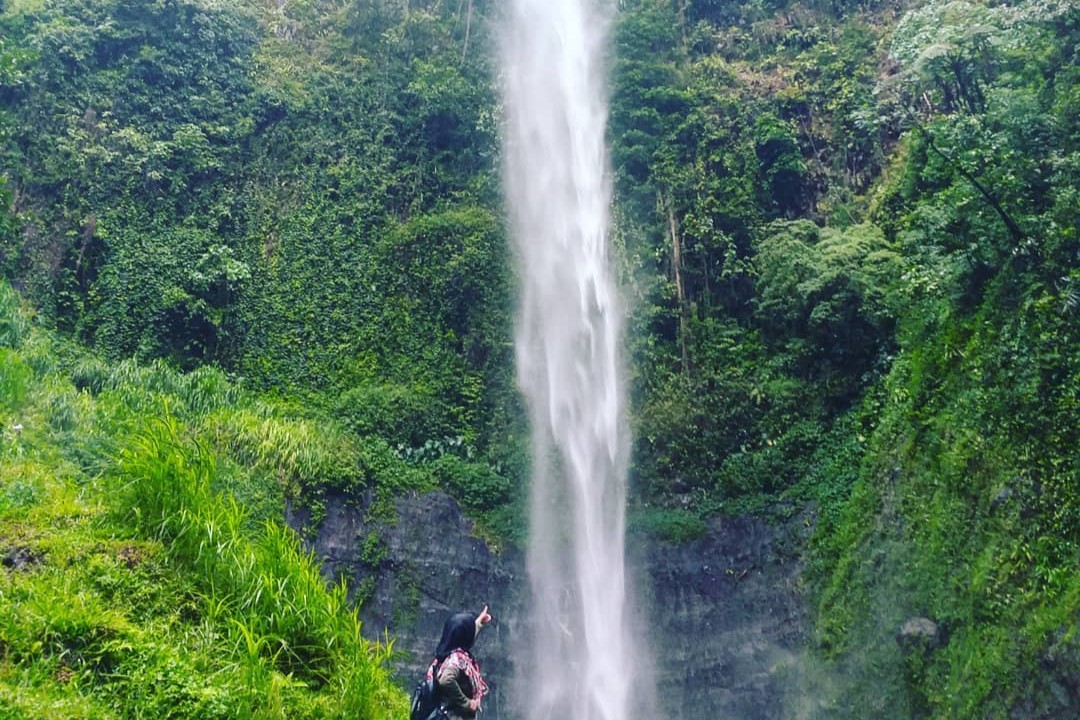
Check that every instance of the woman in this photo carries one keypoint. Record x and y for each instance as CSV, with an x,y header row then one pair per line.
x,y
461,688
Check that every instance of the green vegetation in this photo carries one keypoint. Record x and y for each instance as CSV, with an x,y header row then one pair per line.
x,y
875,311
187,170
850,244
147,573
291,192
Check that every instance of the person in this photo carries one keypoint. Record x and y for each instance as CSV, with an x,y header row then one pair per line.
x,y
461,687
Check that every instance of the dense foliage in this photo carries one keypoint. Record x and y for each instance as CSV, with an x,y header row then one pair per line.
x,y
850,234
291,191
854,235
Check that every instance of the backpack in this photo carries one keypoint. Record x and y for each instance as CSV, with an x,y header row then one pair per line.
x,y
425,699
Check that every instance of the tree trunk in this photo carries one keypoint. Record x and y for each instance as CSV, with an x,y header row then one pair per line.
x,y
468,30
680,288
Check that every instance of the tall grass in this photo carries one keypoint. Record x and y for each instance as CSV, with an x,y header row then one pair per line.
x,y
14,319
145,386
15,376
299,451
285,622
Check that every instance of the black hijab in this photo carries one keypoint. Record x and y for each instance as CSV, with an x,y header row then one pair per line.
x,y
458,632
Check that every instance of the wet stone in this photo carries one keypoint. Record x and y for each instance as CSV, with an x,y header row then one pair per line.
x,y
918,633
19,558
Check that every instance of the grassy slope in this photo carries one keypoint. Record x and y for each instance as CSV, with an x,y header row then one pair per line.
x,y
965,511
966,503
134,582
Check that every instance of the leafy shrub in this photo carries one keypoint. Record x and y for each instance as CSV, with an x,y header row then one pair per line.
x,y
772,467
18,494
156,682
402,415
384,468
827,293
476,485
782,164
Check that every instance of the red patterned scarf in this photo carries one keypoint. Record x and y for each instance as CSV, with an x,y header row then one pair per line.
x,y
464,661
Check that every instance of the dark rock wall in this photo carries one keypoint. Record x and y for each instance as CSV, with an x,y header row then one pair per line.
x,y
728,619
724,615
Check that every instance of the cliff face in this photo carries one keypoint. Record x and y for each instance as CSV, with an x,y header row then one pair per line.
x,y
728,618
725,619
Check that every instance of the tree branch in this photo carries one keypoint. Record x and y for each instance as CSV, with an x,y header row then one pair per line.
x,y
1014,228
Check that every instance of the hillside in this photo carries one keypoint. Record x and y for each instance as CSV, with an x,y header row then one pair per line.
x,y
265,245
146,569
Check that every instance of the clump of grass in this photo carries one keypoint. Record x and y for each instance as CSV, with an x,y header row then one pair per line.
x,y
14,318
15,376
301,452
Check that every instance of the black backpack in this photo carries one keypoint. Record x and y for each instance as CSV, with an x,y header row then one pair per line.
x,y
425,699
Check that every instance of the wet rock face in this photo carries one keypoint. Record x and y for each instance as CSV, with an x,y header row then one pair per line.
x,y
411,575
918,634
729,619
19,558
724,617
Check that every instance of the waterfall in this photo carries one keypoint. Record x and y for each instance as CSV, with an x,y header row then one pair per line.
x,y
579,663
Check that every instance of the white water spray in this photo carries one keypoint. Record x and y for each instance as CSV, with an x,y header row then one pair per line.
x,y
579,664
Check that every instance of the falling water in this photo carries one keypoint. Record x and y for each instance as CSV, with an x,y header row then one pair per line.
x,y
568,355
